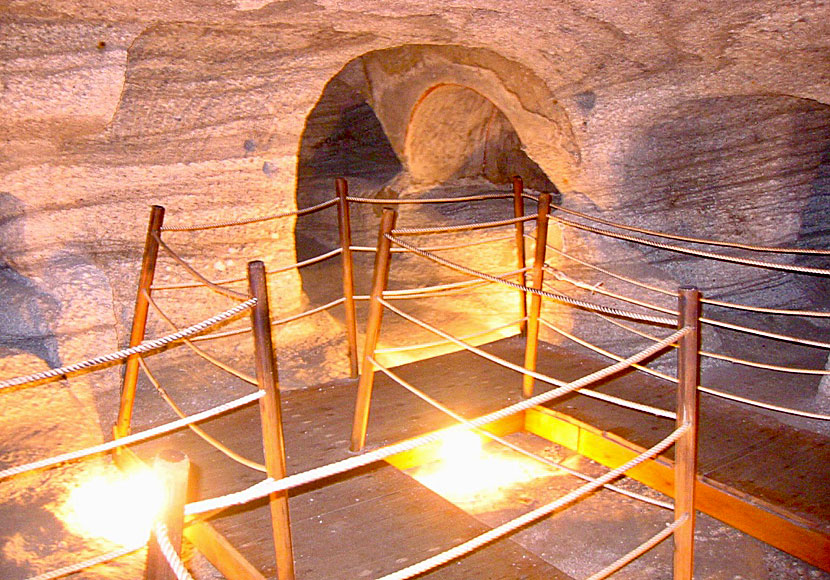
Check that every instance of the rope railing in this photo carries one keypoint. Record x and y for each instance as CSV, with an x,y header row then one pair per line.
x,y
130,439
196,274
530,290
89,563
457,246
425,345
706,241
204,435
198,351
711,301
253,220
274,322
269,486
427,200
546,378
501,440
169,552
441,290
653,541
438,289
671,379
145,346
699,253
461,227
711,321
297,265
533,515
733,359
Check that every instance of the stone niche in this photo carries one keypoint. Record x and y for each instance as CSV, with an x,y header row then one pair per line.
x,y
701,118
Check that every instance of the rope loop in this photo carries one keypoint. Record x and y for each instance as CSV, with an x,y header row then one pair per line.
x,y
128,352
253,220
543,293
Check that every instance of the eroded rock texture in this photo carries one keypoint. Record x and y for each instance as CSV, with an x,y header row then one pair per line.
x,y
702,118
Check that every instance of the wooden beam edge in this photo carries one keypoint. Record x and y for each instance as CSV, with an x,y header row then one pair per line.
x,y
771,524
204,537
220,552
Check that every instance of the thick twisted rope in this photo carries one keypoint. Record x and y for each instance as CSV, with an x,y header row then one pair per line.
x,y
206,437
383,201
130,439
198,351
279,270
699,253
532,516
461,228
542,377
436,290
443,342
712,322
544,294
457,246
269,485
169,552
441,290
713,302
198,275
252,220
639,550
665,377
73,568
447,411
274,321
127,352
708,242
733,359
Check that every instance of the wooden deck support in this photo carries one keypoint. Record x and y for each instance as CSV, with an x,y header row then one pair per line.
x,y
519,211
145,281
688,375
220,552
532,347
345,224
271,416
173,469
380,278
773,525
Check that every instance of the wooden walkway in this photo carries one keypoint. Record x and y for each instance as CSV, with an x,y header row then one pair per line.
x,y
378,520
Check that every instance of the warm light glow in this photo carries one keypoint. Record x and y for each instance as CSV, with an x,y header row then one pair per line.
x,y
471,476
460,446
119,507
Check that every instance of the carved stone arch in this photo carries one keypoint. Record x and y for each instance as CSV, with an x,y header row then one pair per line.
x,y
402,80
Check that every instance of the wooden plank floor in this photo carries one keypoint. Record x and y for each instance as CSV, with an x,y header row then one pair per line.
x,y
373,521
379,520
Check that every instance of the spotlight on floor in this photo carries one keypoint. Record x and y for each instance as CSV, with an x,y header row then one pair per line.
x,y
472,472
119,507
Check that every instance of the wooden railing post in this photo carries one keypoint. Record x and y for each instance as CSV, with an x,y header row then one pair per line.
x,y
519,211
380,278
345,224
172,467
532,342
148,270
273,441
685,469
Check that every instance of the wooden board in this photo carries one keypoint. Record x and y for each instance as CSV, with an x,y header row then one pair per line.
x,y
374,523
759,519
318,424
366,524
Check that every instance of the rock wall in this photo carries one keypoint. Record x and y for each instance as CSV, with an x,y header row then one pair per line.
x,y
699,117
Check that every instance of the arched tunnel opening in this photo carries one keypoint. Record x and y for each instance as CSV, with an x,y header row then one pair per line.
x,y
458,142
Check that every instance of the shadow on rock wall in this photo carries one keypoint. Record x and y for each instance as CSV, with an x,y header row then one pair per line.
x,y
738,168
25,310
